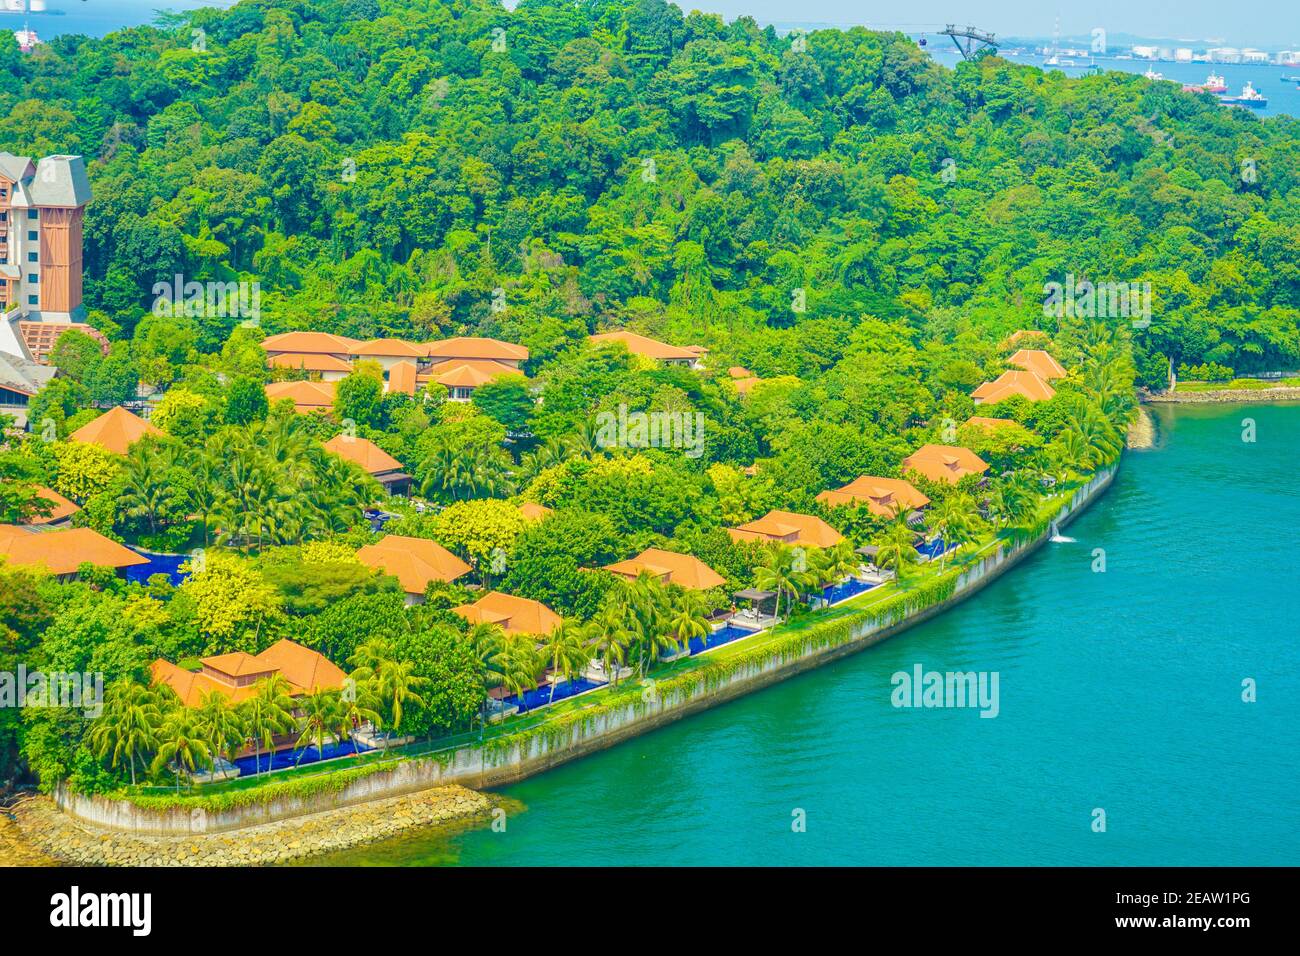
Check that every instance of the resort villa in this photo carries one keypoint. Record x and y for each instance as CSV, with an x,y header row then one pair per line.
x,y
1035,370
42,206
885,497
788,527
690,356
374,461
948,463
458,364
514,615
62,552
116,431
415,562
669,567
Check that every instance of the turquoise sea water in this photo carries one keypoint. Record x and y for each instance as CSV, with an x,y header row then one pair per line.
x,y
1118,690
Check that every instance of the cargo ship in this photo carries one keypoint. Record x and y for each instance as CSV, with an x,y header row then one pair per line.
x,y
1250,97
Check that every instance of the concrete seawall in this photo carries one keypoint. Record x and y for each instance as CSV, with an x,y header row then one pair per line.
x,y
479,768
1225,396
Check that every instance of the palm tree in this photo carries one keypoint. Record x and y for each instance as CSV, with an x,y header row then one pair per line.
x,y
519,664
1013,501
128,726
146,491
688,618
565,651
221,724
609,632
395,686
181,744
268,713
784,574
896,548
644,606
321,714
355,709
956,520
837,562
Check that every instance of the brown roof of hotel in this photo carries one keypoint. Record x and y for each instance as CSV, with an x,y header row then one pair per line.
x,y
116,430
470,347
372,459
306,671
61,507
318,342
413,561
681,569
746,385
62,552
739,371
532,511
309,361
790,527
948,463
882,496
41,337
1039,362
515,615
402,377
306,396
1010,383
651,348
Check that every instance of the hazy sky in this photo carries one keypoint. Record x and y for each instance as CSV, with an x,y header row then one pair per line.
x,y
1240,24
1255,21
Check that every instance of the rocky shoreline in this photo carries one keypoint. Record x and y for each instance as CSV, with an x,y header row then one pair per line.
x,y
1224,396
1142,432
44,836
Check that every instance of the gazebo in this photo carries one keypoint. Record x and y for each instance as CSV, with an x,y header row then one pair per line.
x,y
754,616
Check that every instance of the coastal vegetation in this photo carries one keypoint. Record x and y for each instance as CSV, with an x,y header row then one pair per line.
x,y
422,170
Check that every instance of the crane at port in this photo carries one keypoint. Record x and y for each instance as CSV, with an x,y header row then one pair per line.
x,y
976,40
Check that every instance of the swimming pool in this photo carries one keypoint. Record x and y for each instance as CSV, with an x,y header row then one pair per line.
x,y
835,593
541,696
168,564
933,549
290,758
723,635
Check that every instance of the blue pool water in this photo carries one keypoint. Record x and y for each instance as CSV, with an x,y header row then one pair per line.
x,y
845,590
168,564
290,758
724,635
541,696
933,549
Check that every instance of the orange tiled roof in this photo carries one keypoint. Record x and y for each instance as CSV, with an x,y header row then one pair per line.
x,y
372,459
516,615
739,371
306,396
402,377
1039,362
62,552
746,385
948,463
470,347
467,373
413,561
681,569
532,511
235,676
116,430
309,361
790,527
882,496
319,342
650,348
1013,382
62,507
41,337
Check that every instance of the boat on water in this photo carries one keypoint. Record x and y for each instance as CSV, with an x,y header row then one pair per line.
x,y
1214,83
1250,97
1151,74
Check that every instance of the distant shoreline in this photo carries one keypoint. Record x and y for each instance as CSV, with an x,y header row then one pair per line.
x,y
1224,396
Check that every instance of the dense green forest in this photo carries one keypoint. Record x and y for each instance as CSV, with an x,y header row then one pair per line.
x,y
859,227
381,166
